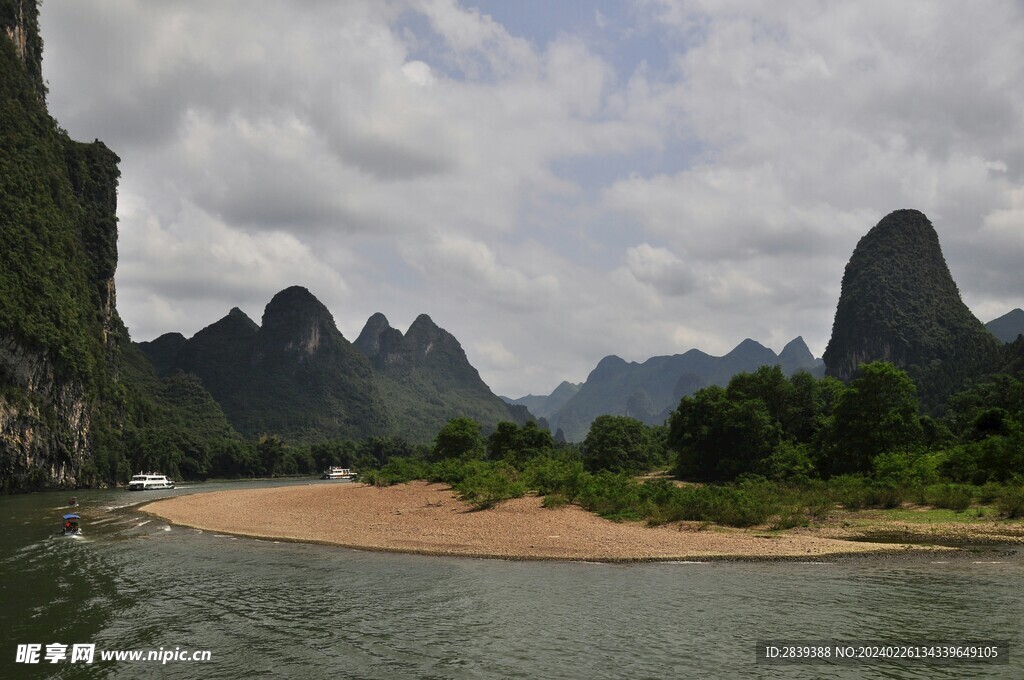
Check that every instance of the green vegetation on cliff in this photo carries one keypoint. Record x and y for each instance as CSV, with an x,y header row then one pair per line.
x,y
79,405
57,200
59,331
426,378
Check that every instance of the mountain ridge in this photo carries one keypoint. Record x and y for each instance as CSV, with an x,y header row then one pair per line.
x,y
297,376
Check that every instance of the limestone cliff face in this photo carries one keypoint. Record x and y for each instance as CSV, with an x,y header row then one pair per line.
x,y
45,422
59,330
20,22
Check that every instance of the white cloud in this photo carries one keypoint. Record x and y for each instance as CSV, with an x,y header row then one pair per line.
x,y
660,268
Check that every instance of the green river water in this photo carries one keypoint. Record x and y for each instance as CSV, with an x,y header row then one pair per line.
x,y
268,609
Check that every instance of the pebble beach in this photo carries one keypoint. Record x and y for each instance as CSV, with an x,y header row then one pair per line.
x,y
429,519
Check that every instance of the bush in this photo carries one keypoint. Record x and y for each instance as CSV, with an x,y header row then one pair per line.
x,y
789,517
549,475
613,496
788,463
555,500
907,469
885,495
1011,502
989,492
398,471
817,501
451,471
741,508
850,490
956,497
487,485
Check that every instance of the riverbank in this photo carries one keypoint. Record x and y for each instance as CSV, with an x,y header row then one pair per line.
x,y
429,519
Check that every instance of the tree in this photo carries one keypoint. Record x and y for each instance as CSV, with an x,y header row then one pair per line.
x,y
516,444
768,385
620,444
718,439
877,414
459,438
505,441
270,451
336,452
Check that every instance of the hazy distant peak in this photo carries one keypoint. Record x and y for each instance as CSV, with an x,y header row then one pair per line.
x,y
750,347
1008,326
611,364
566,386
796,350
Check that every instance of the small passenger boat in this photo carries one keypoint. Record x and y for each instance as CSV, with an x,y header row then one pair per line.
x,y
337,473
70,527
147,481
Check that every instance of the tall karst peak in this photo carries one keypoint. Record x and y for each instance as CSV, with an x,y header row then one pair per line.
x,y
796,356
423,331
60,334
427,340
296,320
899,304
369,338
294,305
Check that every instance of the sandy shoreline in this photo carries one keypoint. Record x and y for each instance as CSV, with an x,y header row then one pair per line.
x,y
429,519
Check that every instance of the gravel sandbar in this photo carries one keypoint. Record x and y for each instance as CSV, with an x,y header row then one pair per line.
x,y
429,519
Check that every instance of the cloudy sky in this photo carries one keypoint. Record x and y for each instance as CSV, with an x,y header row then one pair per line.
x,y
551,181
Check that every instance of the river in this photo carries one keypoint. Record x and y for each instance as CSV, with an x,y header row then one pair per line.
x,y
269,609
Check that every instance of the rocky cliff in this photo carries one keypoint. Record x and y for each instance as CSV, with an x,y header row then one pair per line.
x,y
59,329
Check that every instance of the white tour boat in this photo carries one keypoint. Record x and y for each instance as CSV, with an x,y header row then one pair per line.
x,y
148,481
337,473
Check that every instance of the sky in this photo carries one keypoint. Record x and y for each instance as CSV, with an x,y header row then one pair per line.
x,y
552,182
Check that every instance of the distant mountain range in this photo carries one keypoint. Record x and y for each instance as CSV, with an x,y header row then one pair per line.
x,y
297,376
650,390
546,406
